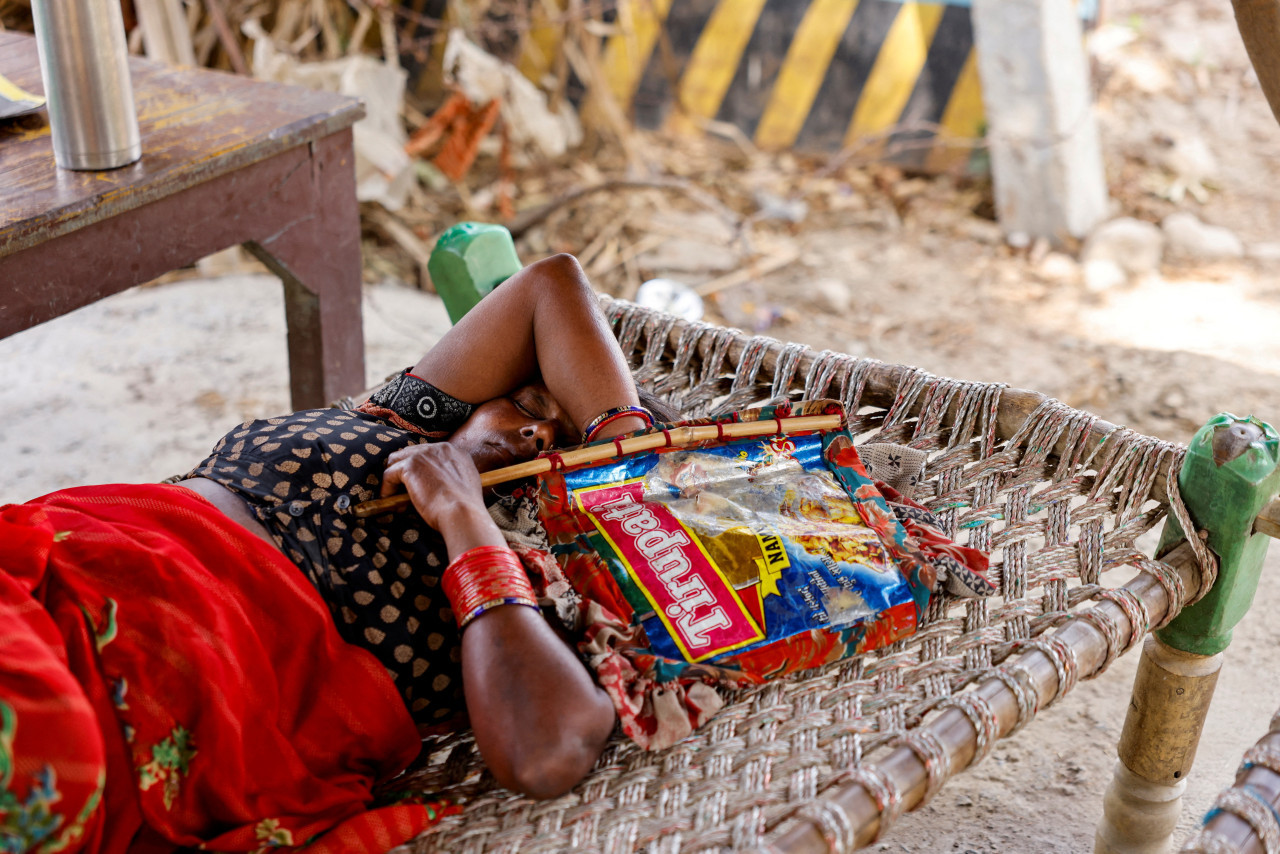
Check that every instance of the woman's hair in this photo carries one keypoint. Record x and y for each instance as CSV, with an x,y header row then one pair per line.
x,y
661,409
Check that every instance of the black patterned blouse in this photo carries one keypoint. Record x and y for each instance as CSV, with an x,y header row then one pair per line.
x,y
302,474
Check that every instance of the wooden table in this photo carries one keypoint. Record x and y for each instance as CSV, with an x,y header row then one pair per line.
x,y
225,160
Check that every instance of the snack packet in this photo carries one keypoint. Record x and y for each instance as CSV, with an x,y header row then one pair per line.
x,y
727,563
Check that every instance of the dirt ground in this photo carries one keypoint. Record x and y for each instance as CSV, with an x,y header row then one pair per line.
x,y
139,386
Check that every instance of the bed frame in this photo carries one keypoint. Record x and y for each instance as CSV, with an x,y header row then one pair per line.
x,y
1243,818
826,760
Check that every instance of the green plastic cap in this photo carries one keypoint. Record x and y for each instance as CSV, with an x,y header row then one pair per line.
x,y
469,261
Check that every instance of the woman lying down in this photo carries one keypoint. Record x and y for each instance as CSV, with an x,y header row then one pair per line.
x,y
234,661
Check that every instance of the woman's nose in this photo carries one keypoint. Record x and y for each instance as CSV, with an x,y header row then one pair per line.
x,y
540,433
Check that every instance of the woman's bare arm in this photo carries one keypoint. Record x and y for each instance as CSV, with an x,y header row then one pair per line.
x,y
539,718
545,320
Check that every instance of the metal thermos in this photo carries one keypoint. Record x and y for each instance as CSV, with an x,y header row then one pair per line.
x,y
85,64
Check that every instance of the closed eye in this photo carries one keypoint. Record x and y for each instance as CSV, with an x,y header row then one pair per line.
x,y
546,410
524,410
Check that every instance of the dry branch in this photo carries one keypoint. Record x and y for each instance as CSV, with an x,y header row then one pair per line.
x,y
226,37
756,269
528,219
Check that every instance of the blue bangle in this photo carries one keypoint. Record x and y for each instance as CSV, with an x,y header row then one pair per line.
x,y
588,432
496,603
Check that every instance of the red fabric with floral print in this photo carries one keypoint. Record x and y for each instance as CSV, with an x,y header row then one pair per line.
x,y
169,680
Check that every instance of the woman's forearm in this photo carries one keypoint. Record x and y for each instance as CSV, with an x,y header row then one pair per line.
x,y
540,720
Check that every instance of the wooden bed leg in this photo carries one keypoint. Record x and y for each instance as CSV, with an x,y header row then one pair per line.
x,y
1230,474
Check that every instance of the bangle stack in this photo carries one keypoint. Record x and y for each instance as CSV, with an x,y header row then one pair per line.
x,y
610,415
484,578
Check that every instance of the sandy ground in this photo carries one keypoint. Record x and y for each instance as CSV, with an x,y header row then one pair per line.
x,y
139,386
142,384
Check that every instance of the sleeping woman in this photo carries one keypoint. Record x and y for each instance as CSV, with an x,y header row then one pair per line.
x,y
233,662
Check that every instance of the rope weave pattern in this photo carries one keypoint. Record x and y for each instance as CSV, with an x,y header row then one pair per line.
x,y
983,718
1260,755
1246,803
937,762
832,822
1208,842
1019,682
1248,799
883,791
1063,658
1057,507
743,390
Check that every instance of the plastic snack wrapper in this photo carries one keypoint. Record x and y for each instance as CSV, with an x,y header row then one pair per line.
x,y
730,562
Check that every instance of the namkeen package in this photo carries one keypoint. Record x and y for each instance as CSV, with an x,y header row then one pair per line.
x,y
733,561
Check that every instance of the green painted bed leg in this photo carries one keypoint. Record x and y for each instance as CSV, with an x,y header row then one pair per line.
x,y
469,261
1230,474
1225,499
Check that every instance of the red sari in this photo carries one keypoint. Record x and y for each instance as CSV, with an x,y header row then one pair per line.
x,y
167,679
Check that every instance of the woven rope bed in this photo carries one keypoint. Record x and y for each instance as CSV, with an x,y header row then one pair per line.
x,y
1244,815
825,761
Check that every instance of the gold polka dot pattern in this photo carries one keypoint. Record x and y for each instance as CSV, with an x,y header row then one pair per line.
x,y
301,475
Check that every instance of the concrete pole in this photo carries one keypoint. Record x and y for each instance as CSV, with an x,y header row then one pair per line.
x,y
1046,160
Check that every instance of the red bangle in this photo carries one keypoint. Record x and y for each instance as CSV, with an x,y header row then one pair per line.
x,y
483,578
611,415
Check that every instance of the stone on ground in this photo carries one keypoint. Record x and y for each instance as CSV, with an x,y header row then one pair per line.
x,y
1131,244
1189,237
833,295
1103,275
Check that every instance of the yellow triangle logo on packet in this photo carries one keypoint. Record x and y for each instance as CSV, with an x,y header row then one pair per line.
x,y
772,564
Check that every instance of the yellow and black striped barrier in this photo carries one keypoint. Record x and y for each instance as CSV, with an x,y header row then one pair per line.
x,y
896,79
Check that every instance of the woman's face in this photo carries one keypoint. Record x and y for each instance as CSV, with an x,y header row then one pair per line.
x,y
515,428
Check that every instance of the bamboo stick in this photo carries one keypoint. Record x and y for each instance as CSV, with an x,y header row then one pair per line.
x,y
1015,407
957,734
675,438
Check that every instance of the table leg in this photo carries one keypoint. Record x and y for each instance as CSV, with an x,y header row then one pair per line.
x,y
318,259
297,211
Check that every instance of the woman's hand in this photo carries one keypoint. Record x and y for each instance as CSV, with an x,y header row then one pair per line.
x,y
540,720
444,486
